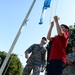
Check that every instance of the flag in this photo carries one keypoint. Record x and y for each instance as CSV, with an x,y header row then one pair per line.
x,y
45,6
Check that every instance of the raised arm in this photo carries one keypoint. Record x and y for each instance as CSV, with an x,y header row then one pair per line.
x,y
50,30
59,31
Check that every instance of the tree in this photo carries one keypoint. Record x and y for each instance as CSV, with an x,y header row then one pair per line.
x,y
14,66
71,41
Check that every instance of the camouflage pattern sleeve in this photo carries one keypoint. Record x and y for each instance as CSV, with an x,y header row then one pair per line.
x,y
44,58
29,50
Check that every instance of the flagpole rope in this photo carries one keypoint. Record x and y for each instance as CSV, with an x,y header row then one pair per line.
x,y
54,12
50,15
56,7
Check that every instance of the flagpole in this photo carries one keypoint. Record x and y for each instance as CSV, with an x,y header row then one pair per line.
x,y
16,38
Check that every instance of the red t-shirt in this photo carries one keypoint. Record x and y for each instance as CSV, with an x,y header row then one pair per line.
x,y
58,49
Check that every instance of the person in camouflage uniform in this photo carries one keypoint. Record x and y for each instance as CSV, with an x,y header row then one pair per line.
x,y
70,68
37,60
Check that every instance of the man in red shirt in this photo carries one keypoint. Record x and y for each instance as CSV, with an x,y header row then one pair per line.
x,y
57,56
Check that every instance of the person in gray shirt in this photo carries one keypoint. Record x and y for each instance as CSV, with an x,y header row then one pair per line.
x,y
37,60
70,68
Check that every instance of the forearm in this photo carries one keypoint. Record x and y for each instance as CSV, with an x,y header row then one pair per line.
x,y
44,64
44,60
58,28
49,33
50,30
59,31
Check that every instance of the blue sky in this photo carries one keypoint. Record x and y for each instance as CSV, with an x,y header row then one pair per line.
x,y
12,14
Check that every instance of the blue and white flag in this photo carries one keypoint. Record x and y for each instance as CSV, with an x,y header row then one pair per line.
x,y
45,6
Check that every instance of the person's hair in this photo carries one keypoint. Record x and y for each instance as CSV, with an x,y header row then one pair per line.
x,y
44,38
65,26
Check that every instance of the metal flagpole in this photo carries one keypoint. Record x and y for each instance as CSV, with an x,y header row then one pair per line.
x,y
16,38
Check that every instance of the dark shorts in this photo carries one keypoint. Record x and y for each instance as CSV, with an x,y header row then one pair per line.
x,y
55,67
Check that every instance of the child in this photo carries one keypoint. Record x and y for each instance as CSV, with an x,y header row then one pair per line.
x,y
57,57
